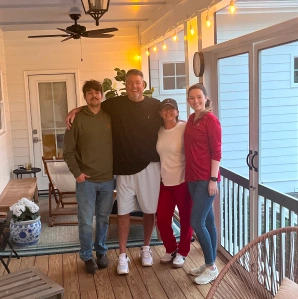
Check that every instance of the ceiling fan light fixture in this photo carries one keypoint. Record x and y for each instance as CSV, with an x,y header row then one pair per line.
x,y
96,8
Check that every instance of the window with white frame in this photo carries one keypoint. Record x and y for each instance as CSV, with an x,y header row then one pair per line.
x,y
173,76
2,126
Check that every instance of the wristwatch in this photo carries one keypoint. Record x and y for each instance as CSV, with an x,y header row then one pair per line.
x,y
214,179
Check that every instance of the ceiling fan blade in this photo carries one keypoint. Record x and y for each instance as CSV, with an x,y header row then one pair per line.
x,y
55,35
101,35
69,37
65,30
103,30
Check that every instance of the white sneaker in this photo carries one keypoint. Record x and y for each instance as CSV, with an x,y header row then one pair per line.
x,y
167,257
146,256
207,276
197,271
178,261
122,267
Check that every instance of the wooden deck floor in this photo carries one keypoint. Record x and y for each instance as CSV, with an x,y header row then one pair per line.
x,y
159,281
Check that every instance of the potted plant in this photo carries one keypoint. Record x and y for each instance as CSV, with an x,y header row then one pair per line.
x,y
25,225
108,86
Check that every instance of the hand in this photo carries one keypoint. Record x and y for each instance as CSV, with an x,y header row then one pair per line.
x,y
212,188
82,178
70,118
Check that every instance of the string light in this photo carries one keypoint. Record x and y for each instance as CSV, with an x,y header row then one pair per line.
x,y
147,52
175,36
177,25
208,22
232,6
191,30
164,46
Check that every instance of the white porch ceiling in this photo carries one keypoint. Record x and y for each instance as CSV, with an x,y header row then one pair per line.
x,y
20,15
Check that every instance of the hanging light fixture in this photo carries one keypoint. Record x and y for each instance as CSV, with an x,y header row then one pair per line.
x,y
147,52
154,48
164,46
232,6
96,8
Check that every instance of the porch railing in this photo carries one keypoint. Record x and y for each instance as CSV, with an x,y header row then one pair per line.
x,y
274,210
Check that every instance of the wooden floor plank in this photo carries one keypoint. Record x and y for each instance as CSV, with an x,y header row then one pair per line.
x,y
182,278
86,281
42,263
56,268
148,276
166,279
70,276
119,283
103,284
134,281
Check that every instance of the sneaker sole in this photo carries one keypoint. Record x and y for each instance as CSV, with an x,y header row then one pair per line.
x,y
147,265
122,272
206,282
178,266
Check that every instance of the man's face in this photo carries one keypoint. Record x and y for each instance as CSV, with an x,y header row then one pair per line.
x,y
135,87
93,98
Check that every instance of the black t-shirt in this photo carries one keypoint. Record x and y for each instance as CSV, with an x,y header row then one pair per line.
x,y
135,127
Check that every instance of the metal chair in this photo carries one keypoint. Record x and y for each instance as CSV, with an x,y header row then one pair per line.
x,y
62,186
261,268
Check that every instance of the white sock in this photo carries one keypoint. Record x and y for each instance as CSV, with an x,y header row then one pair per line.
x,y
122,256
145,248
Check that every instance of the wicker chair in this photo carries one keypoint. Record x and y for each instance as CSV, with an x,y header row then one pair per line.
x,y
260,268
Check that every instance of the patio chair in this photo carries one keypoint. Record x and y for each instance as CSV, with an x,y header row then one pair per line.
x,y
267,267
62,186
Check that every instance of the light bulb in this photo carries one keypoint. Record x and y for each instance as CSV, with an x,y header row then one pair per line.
x,y
147,52
154,48
175,36
191,30
164,46
208,23
232,6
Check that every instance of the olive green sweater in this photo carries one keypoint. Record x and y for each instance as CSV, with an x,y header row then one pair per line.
x,y
88,146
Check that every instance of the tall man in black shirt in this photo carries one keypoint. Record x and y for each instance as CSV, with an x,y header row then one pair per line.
x,y
135,124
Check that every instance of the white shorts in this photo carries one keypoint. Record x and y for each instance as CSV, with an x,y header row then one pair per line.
x,y
140,191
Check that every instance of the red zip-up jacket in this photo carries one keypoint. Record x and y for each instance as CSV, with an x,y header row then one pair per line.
x,y
202,143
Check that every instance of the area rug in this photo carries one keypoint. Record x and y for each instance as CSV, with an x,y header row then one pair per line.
x,y
64,239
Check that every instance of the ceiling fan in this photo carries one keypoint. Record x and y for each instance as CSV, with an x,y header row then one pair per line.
x,y
76,31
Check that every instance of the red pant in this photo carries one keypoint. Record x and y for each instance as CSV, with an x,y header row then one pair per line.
x,y
169,197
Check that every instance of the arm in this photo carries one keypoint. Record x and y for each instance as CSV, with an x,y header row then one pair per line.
x,y
69,155
214,136
71,116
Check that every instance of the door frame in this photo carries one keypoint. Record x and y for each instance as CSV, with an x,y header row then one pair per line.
x,y
27,74
251,43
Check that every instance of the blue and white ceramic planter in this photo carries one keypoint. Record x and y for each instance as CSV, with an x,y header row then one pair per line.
x,y
25,233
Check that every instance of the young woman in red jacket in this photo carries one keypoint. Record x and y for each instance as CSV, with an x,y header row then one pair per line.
x,y
202,144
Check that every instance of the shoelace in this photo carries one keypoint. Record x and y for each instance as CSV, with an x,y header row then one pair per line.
x,y
125,261
146,254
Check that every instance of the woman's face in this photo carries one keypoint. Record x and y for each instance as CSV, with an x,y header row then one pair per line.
x,y
168,113
196,100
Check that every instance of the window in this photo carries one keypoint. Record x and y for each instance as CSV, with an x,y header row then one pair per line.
x,y
295,70
2,127
173,76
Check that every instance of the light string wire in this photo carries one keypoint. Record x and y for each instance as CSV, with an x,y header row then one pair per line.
x,y
153,40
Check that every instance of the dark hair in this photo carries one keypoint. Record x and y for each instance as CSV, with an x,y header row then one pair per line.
x,y
134,72
200,86
92,84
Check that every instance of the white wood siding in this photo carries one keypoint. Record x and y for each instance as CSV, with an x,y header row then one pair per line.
x,y
100,57
5,138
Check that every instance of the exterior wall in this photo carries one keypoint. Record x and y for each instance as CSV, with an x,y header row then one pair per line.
x,y
173,53
278,162
100,57
5,137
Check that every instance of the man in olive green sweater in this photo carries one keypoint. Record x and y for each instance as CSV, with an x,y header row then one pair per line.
x,y
88,154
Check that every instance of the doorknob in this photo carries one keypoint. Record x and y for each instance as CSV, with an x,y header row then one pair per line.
x,y
35,139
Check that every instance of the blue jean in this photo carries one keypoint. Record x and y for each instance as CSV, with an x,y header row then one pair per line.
x,y
94,198
202,219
